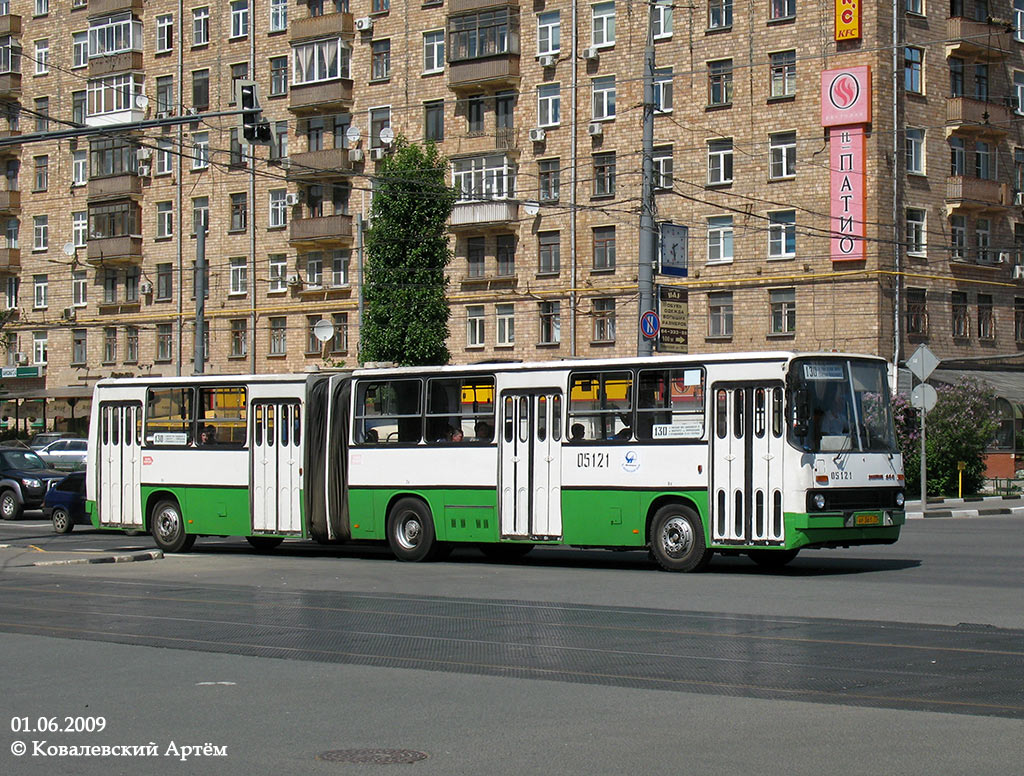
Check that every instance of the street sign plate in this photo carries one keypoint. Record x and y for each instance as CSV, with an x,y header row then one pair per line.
x,y
923,397
650,324
922,363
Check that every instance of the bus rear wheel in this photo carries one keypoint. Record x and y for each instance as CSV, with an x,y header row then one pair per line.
x,y
772,559
411,531
263,543
168,528
677,539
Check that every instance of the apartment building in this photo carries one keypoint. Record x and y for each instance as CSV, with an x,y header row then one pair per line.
x,y
539,108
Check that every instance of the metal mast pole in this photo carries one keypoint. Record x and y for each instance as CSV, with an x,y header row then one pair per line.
x,y
648,236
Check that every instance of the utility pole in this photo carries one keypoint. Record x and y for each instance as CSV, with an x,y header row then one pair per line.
x,y
648,247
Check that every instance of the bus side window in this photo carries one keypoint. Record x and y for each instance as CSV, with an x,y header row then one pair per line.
x,y
257,427
297,425
509,419
115,426
739,397
721,414
759,412
286,414
542,418
556,418
777,412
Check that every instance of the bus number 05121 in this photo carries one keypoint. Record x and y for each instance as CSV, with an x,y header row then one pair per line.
x,y
592,460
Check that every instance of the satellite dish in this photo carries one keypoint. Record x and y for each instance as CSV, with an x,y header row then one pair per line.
x,y
531,208
323,330
387,136
141,101
69,249
353,135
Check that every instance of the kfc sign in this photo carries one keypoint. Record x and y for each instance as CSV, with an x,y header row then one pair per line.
x,y
847,19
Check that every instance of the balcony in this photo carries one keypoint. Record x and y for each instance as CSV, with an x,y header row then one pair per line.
x,y
321,96
497,72
456,7
10,24
481,215
10,201
10,85
504,139
324,163
328,25
109,7
124,249
322,231
116,186
13,149
978,117
976,195
977,41
121,62
10,259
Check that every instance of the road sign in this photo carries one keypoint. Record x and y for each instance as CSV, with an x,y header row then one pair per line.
x,y
650,324
923,397
672,309
922,363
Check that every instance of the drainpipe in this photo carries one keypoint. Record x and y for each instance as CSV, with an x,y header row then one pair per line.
x,y
252,196
179,336
575,179
897,155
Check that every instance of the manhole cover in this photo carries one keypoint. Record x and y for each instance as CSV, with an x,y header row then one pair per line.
x,y
378,756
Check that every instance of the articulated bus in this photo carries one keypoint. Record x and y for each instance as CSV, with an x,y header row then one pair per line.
x,y
762,454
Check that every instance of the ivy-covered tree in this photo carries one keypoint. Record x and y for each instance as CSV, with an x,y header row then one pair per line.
x,y
959,428
406,314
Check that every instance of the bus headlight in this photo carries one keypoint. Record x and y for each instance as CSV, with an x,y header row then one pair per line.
x,y
899,499
819,501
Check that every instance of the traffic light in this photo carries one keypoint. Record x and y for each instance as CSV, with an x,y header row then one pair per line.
x,y
255,129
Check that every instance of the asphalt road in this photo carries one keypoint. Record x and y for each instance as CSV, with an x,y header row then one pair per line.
x,y
901,659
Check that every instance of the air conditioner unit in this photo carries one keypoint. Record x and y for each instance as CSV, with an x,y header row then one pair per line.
x,y
377,154
143,154
68,314
294,280
143,171
364,24
595,129
1018,272
164,114
291,198
591,52
145,287
537,135
20,358
548,60
1003,257
1018,197
285,163
355,154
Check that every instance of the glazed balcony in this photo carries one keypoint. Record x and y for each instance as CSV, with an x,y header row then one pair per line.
x,y
978,117
10,24
121,62
328,25
324,231
481,215
321,96
497,72
116,186
976,195
110,7
124,249
324,163
10,85
10,259
977,41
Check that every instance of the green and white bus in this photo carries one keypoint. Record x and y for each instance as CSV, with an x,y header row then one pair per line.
x,y
763,454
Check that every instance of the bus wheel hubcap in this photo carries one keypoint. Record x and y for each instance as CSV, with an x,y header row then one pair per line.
x,y
168,524
409,533
677,536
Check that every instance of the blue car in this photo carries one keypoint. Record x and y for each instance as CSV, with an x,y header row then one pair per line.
x,y
64,503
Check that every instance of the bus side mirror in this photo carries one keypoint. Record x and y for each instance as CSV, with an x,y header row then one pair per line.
x,y
802,413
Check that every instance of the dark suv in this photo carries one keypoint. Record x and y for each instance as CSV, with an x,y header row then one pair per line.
x,y
24,480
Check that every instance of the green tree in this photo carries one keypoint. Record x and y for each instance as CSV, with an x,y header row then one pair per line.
x,y
959,428
406,315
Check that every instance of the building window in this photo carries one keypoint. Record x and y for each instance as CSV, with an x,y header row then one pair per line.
x,y
277,272
131,284
719,14
719,162
339,342
164,155
984,161
475,257
549,173
983,240
79,49
720,239
315,269
278,208
782,234
239,212
549,26
915,7
380,60
433,51
165,95
663,90
41,233
39,354
783,73
957,157
201,90
604,174
783,310
164,33
912,62
314,346
320,60
41,295
604,97
505,321
239,277
433,120
603,25
915,231
604,320
604,248
981,82
915,151
662,164
79,346
79,105
782,151
483,177
42,109
200,150
278,336
1018,319
200,214
549,251
956,77
239,337
720,314
781,9
164,219
42,56
475,115
278,15
42,173
79,228
475,326
278,76
200,26
109,345
164,342
958,238
961,323
917,312
42,7
11,292
239,18
164,282
379,119
505,251
79,288
720,82
550,323
549,105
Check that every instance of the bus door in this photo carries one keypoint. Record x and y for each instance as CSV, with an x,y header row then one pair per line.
x,y
275,478
746,463
119,469
530,476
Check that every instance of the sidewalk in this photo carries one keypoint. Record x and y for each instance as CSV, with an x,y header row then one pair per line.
x,y
975,506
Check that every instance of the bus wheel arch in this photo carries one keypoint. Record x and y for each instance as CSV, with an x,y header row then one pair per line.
x,y
410,529
676,536
166,524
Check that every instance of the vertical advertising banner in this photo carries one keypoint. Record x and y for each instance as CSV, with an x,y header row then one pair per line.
x,y
847,19
846,111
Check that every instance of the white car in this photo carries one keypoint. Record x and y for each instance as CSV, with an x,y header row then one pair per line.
x,y
65,453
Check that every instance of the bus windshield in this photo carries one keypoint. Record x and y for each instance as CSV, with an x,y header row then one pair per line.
x,y
841,405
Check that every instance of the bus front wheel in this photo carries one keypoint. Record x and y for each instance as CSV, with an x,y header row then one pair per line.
x,y
411,531
677,539
168,528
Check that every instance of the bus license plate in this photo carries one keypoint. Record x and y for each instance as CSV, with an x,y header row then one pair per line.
x,y
866,519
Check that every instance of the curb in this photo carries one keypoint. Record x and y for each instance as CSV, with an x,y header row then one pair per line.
x,y
129,558
960,513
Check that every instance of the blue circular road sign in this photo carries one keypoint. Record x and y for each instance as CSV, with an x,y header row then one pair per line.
x,y
650,324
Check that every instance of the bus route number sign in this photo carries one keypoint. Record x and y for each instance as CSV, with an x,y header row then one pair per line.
x,y
650,324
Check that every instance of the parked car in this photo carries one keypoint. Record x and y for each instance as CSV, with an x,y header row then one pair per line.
x,y
43,438
65,453
64,503
24,480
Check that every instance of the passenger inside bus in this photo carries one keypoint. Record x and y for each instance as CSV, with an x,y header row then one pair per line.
x,y
577,433
483,431
207,436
